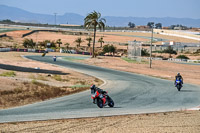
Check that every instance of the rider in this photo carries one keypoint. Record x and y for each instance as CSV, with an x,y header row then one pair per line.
x,y
178,77
94,90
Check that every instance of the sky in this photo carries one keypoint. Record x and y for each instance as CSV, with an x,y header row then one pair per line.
x,y
124,8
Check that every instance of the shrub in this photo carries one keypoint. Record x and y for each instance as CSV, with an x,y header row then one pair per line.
x,y
169,50
106,48
45,42
157,51
28,43
8,74
144,52
182,57
109,48
57,77
112,49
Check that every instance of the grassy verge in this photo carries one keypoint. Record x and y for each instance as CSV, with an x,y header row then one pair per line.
x,y
134,61
74,58
8,74
35,91
38,77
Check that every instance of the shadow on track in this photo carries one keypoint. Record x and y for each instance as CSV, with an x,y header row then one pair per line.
x,y
26,69
188,91
112,107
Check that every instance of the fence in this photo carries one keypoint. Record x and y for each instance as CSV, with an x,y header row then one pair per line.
x,y
134,49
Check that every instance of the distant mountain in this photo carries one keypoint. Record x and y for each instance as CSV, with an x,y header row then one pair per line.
x,y
19,15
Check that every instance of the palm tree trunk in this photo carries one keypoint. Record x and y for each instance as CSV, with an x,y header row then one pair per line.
x,y
94,41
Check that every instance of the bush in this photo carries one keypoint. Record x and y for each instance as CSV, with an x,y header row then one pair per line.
x,y
44,44
144,52
57,77
106,48
109,48
170,50
8,74
182,57
197,52
157,51
29,43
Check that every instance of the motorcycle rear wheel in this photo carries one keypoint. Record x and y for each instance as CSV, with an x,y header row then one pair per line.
x,y
99,103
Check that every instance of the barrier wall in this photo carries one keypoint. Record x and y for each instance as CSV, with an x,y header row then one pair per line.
x,y
5,49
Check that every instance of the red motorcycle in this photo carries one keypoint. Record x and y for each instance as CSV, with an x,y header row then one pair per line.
x,y
102,99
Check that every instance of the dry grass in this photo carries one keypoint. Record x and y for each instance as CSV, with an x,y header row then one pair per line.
x,y
8,74
29,87
33,92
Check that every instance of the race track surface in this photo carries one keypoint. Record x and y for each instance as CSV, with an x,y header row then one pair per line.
x,y
132,94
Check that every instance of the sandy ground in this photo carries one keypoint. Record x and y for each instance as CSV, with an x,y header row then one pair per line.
x,y
58,78
162,69
171,38
184,121
174,122
108,37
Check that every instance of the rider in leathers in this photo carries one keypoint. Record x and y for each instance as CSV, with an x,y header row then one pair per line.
x,y
178,76
94,89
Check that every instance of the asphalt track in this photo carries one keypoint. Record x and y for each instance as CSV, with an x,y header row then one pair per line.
x,y
132,94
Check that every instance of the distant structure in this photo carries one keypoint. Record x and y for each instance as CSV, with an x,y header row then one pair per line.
x,y
142,27
134,49
70,25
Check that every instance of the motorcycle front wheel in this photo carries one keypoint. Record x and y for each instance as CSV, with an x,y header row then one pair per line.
x,y
110,102
179,87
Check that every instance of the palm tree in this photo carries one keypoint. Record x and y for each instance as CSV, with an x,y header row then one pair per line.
x,y
89,39
29,43
78,41
93,20
101,41
59,42
67,45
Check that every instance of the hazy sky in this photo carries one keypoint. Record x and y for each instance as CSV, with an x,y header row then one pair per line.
x,y
134,8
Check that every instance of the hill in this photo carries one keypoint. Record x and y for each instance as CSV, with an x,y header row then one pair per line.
x,y
19,15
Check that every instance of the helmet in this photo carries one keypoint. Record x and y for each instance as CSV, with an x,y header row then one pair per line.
x,y
92,87
178,74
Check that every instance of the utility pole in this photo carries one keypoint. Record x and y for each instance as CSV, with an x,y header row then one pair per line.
x,y
55,17
150,60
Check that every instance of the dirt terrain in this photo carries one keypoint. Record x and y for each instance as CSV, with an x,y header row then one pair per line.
x,y
24,81
183,121
114,38
162,69
173,122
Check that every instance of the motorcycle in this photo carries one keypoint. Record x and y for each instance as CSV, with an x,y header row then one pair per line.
x,y
102,99
178,84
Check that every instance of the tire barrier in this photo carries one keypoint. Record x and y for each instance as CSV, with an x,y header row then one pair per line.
x,y
22,50
5,49
3,35
38,31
